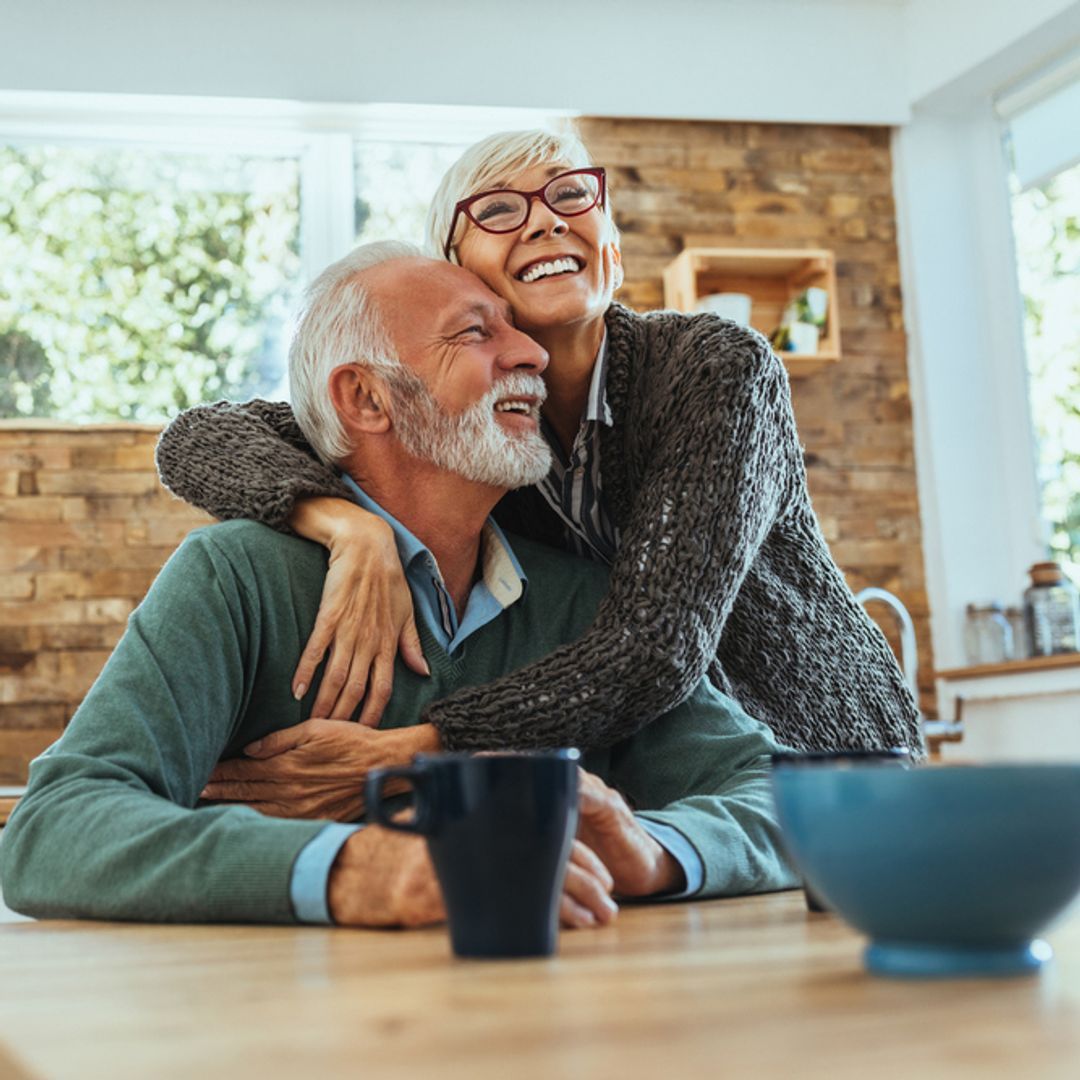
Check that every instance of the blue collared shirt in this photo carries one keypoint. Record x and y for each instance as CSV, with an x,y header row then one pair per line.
x,y
502,581
501,584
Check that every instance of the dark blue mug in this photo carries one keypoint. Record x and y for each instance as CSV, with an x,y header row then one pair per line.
x,y
499,828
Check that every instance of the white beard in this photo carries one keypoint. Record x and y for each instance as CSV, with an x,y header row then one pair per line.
x,y
471,444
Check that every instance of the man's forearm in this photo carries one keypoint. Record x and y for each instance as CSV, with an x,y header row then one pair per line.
x,y
736,834
384,878
703,770
310,882
108,828
683,871
93,846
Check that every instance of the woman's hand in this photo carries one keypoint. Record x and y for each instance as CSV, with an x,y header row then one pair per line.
x,y
316,769
365,615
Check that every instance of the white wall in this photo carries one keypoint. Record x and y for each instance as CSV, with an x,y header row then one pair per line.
x,y
790,60
833,61
948,39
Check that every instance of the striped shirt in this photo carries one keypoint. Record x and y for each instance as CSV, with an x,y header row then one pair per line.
x,y
572,488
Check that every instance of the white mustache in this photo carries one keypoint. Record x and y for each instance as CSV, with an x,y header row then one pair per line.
x,y
516,384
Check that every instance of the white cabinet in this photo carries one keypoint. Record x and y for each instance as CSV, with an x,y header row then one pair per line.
x,y
1028,710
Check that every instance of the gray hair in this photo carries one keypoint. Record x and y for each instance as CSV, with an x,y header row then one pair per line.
x,y
491,163
337,324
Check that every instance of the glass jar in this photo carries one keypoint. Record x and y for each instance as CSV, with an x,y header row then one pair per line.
x,y
988,636
1052,604
1021,644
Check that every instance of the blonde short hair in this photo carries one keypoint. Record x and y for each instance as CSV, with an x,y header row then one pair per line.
x,y
491,163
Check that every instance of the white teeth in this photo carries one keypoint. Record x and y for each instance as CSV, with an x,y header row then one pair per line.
x,y
513,406
556,266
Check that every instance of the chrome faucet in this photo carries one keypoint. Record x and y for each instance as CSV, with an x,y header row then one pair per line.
x,y
909,654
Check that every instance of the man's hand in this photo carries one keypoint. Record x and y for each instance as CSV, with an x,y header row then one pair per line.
x,y
638,864
316,769
384,878
586,899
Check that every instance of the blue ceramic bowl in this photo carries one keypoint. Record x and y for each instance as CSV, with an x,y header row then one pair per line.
x,y
950,871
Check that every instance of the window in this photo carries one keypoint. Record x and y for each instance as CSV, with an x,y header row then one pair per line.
x,y
152,250
395,182
1046,220
135,284
1044,143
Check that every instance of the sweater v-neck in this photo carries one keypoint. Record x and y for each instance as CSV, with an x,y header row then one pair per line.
x,y
439,660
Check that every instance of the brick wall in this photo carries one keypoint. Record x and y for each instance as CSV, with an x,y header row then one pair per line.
x,y
84,525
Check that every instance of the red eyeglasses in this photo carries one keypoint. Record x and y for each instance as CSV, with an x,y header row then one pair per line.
x,y
504,210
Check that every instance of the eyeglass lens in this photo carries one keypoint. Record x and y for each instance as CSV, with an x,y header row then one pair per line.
x,y
502,211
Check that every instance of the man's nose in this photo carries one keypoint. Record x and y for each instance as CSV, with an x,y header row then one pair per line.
x,y
543,221
521,353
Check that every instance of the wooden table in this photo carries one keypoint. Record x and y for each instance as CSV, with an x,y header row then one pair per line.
x,y
752,987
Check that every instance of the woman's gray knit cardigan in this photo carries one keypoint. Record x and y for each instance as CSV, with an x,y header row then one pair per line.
x,y
721,570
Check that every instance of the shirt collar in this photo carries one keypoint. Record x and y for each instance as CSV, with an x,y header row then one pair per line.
x,y
500,570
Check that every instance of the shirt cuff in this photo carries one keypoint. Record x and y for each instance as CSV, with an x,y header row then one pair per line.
x,y
681,850
311,873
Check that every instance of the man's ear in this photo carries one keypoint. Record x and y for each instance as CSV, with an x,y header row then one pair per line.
x,y
359,399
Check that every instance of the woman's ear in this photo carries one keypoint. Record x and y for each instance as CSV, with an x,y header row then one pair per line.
x,y
616,260
615,255
359,399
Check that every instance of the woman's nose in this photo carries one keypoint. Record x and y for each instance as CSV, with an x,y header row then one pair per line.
x,y
543,221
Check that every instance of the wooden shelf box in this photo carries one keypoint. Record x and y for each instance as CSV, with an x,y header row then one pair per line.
x,y
771,277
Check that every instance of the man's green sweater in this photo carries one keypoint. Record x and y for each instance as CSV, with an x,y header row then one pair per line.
x,y
110,826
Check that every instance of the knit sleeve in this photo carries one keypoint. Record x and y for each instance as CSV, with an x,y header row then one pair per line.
x,y
246,460
725,458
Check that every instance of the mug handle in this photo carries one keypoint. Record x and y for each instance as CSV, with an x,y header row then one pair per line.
x,y
376,806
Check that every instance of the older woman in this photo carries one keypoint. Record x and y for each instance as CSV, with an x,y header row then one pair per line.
x,y
676,461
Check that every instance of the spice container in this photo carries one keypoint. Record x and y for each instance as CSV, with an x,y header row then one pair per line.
x,y
988,637
1052,604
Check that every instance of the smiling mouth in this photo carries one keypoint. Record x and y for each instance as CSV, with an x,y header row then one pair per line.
x,y
520,406
566,264
514,406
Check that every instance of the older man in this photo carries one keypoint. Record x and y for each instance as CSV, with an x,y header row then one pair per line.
x,y
432,421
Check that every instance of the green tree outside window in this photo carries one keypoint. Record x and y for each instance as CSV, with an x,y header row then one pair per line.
x,y
1046,223
134,283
